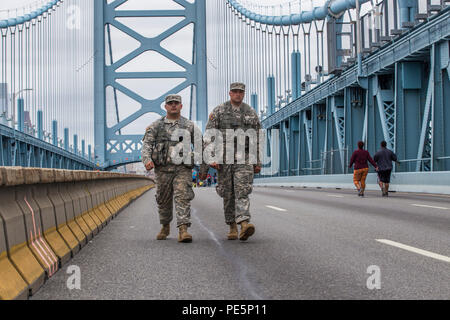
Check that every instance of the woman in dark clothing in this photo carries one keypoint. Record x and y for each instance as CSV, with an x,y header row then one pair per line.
x,y
360,158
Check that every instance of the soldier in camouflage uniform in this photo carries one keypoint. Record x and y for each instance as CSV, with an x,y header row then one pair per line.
x,y
235,181
173,180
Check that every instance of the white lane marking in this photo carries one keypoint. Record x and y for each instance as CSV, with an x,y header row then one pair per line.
x,y
335,195
276,208
415,250
425,206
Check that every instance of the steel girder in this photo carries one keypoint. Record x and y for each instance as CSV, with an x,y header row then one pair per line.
x,y
407,103
20,149
421,38
111,148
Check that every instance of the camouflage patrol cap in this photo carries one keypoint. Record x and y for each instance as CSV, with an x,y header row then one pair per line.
x,y
237,86
173,97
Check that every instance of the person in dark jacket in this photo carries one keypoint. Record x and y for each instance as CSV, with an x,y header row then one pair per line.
x,y
384,158
360,158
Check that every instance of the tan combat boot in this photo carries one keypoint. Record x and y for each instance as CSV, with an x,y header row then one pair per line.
x,y
247,230
233,234
184,236
164,233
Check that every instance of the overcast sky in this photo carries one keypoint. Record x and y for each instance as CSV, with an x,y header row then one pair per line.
x,y
179,44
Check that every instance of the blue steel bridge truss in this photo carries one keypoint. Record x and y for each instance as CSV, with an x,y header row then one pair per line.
x,y
396,90
404,100
112,148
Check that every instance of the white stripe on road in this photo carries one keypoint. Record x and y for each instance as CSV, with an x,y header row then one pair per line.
x,y
276,208
415,250
335,195
425,206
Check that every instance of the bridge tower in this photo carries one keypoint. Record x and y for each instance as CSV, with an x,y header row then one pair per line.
x,y
112,148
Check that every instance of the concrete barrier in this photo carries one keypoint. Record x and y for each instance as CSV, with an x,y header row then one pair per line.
x,y
48,215
50,185
60,191
21,226
13,285
73,206
49,223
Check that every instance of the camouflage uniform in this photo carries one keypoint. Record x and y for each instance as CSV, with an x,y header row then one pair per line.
x,y
235,181
173,181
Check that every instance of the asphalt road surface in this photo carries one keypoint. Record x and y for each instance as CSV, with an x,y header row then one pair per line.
x,y
309,244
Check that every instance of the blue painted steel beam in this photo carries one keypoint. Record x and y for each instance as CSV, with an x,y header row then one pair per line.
x,y
75,144
271,99
195,74
408,10
83,148
415,41
40,128
66,139
20,149
254,101
296,74
20,115
55,132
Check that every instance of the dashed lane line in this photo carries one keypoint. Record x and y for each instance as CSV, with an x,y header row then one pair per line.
x,y
415,250
426,206
276,208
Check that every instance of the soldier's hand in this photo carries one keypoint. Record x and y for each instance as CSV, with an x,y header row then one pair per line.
x,y
202,176
149,166
257,169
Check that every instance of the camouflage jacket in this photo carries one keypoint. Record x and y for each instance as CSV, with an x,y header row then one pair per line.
x,y
161,138
225,116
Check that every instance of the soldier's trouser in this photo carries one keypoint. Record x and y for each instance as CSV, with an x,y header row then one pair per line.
x,y
174,185
234,185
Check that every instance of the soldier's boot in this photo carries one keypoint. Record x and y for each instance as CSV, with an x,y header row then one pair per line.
x,y
184,236
164,233
233,234
247,230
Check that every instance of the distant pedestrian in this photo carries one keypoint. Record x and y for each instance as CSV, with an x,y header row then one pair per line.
x,y
384,158
360,157
194,178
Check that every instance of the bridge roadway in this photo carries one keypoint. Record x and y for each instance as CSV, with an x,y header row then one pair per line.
x,y
309,244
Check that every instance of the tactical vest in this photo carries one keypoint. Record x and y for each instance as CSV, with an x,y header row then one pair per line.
x,y
163,143
235,120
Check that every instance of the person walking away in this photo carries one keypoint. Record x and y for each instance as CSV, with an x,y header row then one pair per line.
x,y
384,158
359,158
173,181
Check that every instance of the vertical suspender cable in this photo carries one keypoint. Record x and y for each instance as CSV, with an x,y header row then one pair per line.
x,y
13,75
4,111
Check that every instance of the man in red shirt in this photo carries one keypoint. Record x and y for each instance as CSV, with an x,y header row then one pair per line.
x,y
361,158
